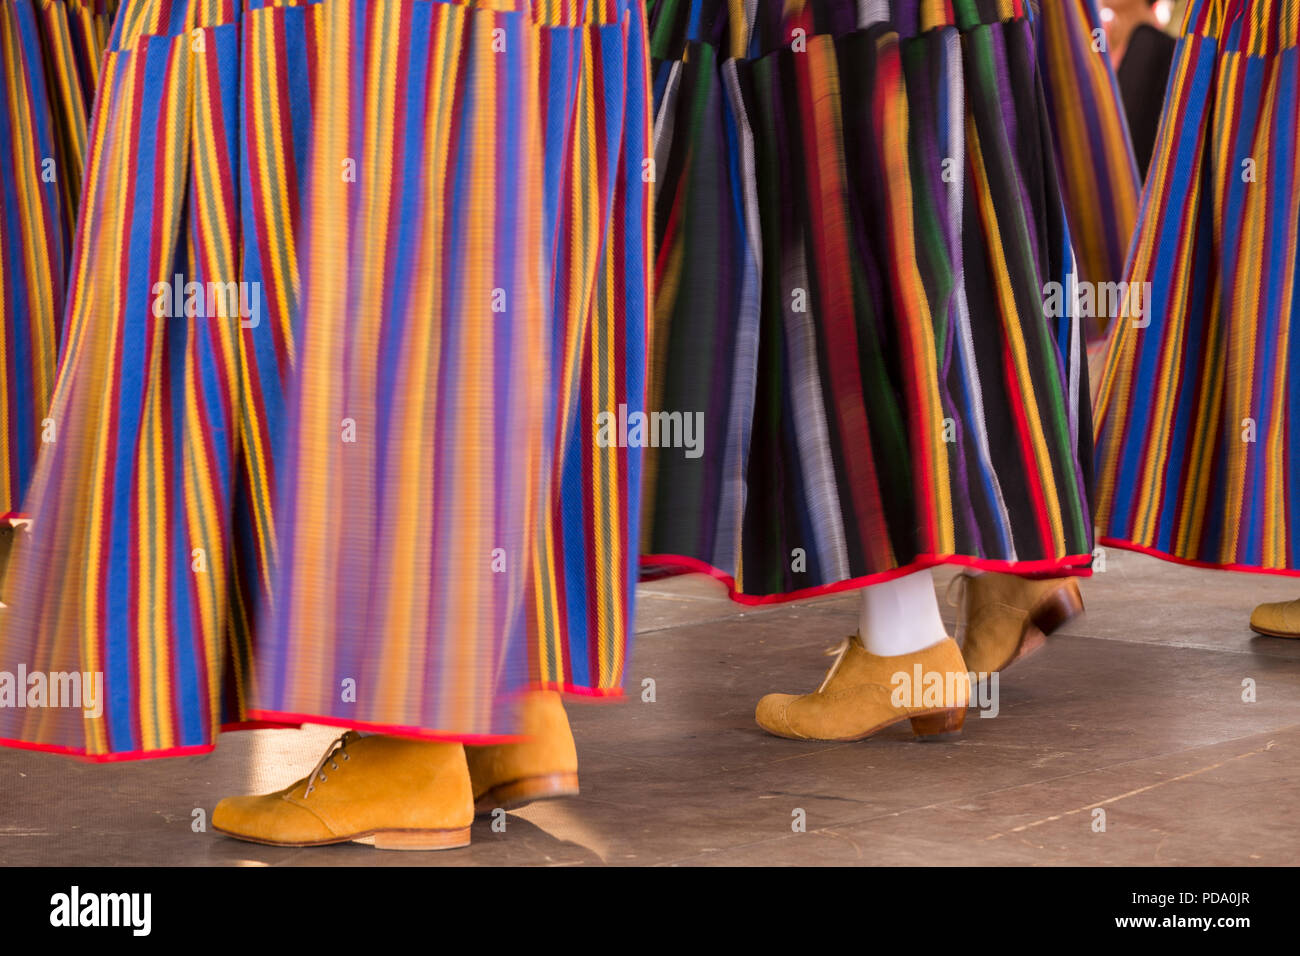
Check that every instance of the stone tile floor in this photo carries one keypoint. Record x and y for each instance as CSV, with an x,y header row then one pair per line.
x,y
1136,707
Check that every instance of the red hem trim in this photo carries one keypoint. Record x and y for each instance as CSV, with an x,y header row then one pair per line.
x,y
600,695
263,720
1074,565
1191,562
396,730
108,758
191,751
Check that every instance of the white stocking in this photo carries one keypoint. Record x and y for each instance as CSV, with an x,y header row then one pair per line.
x,y
901,616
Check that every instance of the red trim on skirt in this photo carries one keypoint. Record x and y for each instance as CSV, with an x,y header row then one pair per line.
x,y
1075,565
601,695
265,720
191,751
395,730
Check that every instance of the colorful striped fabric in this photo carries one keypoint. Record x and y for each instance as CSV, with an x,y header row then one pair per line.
x,y
49,66
1196,428
857,211
153,536
1099,177
327,506
481,406
580,600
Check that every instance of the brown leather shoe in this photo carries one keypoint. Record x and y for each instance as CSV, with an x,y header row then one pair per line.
x,y
542,767
404,794
1005,617
864,693
1277,619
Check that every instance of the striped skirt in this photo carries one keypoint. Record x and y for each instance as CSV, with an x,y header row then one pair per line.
x,y
354,281
1099,177
1197,436
49,66
858,211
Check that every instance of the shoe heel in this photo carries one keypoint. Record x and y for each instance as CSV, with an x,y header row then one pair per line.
x,y
1053,611
508,796
421,839
941,725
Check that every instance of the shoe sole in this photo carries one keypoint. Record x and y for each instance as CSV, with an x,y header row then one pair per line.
x,y
1265,632
521,792
935,725
380,839
1048,616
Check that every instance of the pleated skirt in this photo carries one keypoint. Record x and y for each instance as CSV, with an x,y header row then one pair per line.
x,y
49,67
1197,435
1099,176
359,482
858,209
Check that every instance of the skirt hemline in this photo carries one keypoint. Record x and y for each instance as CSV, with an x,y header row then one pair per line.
x,y
1075,565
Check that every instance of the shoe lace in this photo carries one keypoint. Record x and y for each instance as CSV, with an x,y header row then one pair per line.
x,y
838,652
336,749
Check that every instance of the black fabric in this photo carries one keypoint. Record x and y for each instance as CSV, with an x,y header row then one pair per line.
x,y
1143,76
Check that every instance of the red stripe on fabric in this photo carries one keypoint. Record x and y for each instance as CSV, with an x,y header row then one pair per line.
x,y
394,730
600,695
262,222
1033,476
1075,565
26,72
555,515
591,454
193,751
206,259
113,140
591,460
131,755
46,209
923,476
671,224
453,91
830,244
619,292
310,29
1261,373
175,514
216,114
398,144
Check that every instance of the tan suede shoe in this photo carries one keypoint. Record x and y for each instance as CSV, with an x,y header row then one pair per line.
x,y
863,693
1278,619
546,765
1005,617
405,794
